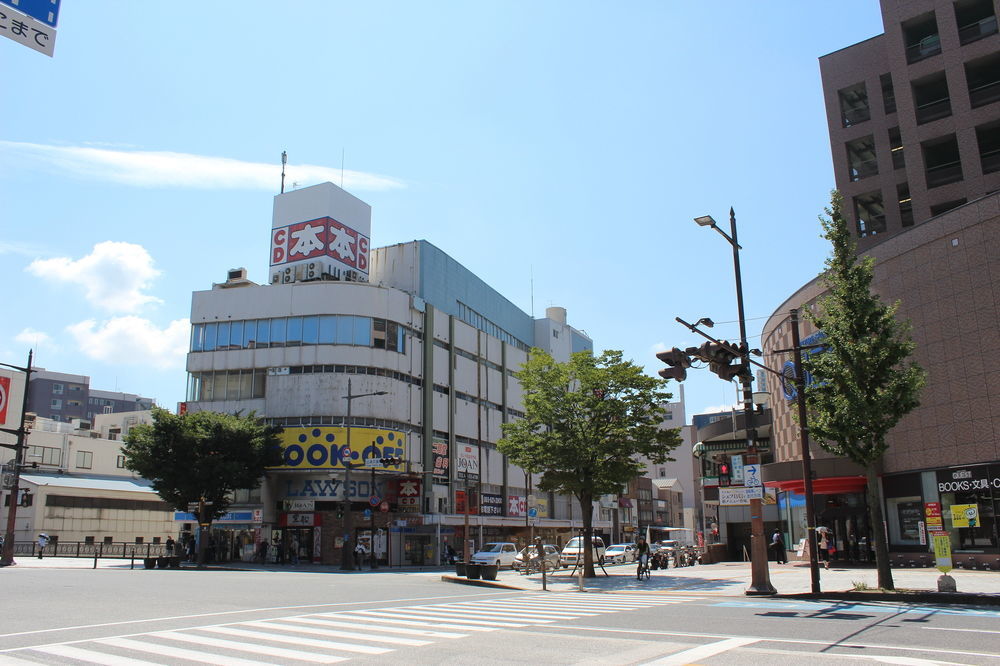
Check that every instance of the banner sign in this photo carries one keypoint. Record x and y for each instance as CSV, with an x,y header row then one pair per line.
x,y
460,502
932,514
741,495
965,515
517,505
468,461
942,552
325,488
326,447
408,495
491,505
4,398
439,458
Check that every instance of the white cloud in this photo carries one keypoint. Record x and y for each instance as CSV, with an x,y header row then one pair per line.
x,y
168,169
132,340
33,338
114,275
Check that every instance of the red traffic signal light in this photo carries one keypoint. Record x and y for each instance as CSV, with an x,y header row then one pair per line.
x,y
679,362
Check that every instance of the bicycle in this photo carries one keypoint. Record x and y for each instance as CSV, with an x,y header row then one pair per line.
x,y
643,568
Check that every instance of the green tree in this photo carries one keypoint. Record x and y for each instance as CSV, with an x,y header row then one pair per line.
x,y
862,381
587,422
201,456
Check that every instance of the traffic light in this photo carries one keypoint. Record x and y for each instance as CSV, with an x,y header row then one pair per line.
x,y
679,362
391,461
720,357
724,473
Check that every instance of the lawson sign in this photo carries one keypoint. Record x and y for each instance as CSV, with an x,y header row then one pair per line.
x,y
231,517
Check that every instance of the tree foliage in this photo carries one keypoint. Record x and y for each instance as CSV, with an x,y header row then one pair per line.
x,y
863,382
587,423
198,455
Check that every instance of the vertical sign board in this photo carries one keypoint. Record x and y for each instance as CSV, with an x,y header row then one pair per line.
x,y
27,31
751,476
319,232
942,552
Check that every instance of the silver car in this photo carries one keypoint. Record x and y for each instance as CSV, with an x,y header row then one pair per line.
x,y
551,557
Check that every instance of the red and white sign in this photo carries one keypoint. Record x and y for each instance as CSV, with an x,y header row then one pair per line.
x,y
517,505
408,497
932,514
4,398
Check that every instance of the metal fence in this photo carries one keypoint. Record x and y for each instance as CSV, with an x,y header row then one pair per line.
x,y
122,550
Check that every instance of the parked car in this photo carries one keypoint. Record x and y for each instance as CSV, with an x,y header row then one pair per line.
x,y
501,554
574,549
620,553
551,557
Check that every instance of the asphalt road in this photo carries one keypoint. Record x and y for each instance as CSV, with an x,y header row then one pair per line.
x,y
106,616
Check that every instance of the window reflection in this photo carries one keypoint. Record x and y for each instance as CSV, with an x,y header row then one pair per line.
x,y
294,331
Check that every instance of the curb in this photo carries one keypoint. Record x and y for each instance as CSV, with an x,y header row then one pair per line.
x,y
481,583
909,596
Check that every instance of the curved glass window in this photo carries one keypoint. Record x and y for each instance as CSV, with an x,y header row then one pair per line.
x,y
293,335
250,334
278,332
295,331
310,330
327,330
223,340
211,332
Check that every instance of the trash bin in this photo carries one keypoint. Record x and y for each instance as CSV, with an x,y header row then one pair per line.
x,y
490,571
473,571
460,568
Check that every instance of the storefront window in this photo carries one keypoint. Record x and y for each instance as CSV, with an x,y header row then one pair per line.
x,y
968,498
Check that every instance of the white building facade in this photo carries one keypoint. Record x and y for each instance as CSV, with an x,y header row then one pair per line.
x,y
362,354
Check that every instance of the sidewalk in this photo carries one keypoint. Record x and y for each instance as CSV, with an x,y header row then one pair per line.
x,y
733,578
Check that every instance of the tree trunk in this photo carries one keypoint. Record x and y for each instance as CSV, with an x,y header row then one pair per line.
x,y
587,512
878,530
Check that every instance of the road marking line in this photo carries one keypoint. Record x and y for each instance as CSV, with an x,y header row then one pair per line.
x,y
337,633
392,630
975,631
703,651
516,613
408,623
177,653
460,615
295,640
253,648
83,654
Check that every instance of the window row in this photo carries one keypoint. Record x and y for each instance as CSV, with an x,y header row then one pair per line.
x,y
931,94
473,318
922,39
226,385
297,331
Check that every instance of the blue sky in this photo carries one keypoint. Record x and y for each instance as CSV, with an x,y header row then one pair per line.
x,y
566,145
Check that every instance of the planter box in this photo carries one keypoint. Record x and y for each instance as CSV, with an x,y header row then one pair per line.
x,y
174,561
162,562
149,562
473,571
489,571
460,569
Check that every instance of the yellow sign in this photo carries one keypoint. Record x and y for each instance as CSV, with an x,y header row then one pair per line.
x,y
965,515
942,551
325,447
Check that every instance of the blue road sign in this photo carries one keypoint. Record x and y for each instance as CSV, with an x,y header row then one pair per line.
x,y
532,512
46,11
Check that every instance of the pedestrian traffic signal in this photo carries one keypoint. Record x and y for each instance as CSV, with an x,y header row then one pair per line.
x,y
679,362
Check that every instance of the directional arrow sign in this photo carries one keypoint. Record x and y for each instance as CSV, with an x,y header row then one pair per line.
x,y
46,11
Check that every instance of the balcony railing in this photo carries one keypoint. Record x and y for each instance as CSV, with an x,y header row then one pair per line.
x,y
852,117
925,48
942,174
977,30
863,169
984,94
929,111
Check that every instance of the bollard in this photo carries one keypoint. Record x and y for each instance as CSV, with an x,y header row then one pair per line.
x,y
95,558
580,579
132,564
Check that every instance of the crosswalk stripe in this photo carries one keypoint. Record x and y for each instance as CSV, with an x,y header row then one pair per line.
x,y
454,620
176,653
336,633
598,608
254,648
83,654
392,630
406,623
506,613
295,640
462,615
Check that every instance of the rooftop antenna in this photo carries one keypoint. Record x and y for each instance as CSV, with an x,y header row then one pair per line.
x,y
532,284
284,161
342,152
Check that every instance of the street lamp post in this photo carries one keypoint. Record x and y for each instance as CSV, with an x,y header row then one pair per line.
x,y
760,583
7,557
347,553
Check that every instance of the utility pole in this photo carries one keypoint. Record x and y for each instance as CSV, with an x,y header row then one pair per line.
x,y
760,583
347,552
20,447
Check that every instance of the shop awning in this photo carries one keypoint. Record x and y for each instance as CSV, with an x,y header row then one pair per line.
x,y
822,486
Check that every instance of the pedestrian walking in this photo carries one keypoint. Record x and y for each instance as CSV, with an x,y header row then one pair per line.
x,y
191,544
43,541
293,550
359,555
778,546
823,545
170,546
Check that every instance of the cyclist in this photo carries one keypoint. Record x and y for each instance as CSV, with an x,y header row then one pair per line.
x,y
642,554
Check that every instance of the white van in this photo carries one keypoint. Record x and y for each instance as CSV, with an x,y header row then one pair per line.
x,y
574,550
